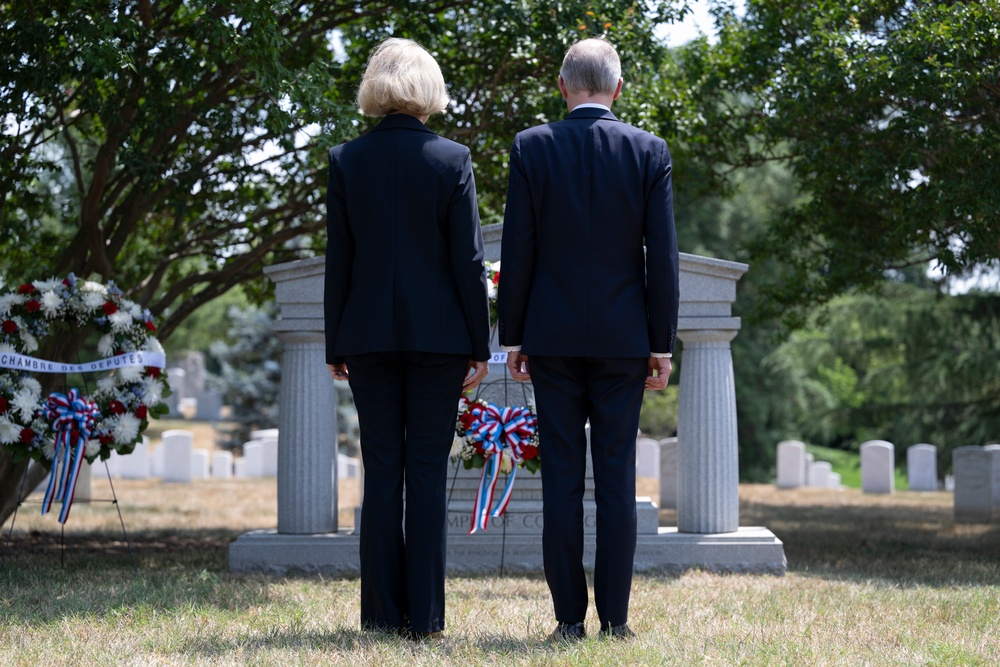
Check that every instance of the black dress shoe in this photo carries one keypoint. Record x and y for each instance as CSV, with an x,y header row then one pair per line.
x,y
568,632
435,637
621,632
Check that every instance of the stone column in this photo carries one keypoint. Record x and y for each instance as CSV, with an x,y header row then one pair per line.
x,y
707,442
307,434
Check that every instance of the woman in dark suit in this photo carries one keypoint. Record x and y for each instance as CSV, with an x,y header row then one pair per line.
x,y
407,324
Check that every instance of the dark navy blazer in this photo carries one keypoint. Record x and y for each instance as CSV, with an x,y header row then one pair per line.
x,y
404,260
585,195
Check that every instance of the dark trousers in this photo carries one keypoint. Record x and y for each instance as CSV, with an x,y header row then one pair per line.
x,y
608,392
407,404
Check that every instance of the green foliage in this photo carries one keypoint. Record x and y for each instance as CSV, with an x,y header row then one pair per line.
x,y
658,418
887,114
249,375
916,366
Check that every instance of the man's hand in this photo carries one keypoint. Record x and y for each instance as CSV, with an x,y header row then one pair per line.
x,y
517,364
338,371
659,373
479,370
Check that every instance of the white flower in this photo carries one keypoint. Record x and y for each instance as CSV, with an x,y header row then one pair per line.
x,y
48,285
126,428
134,309
49,449
152,345
120,320
32,385
456,446
9,432
25,404
130,374
91,286
491,289
106,346
29,341
107,384
152,391
92,448
9,300
7,347
51,303
93,300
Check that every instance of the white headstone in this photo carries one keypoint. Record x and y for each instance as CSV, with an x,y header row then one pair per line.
x,y
253,452
878,467
222,465
264,434
269,457
83,482
834,480
668,473
175,379
994,451
240,468
647,458
112,465
820,474
177,446
973,484
199,464
156,461
791,464
807,468
208,405
347,467
136,464
949,482
921,467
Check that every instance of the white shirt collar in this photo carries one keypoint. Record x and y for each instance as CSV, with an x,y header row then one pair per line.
x,y
591,105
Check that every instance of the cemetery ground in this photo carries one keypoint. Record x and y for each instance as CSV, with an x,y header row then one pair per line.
x,y
872,580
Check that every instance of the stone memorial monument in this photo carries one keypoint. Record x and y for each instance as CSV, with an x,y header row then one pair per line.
x,y
708,534
668,473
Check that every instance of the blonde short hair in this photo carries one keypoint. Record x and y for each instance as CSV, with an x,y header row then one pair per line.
x,y
591,65
402,77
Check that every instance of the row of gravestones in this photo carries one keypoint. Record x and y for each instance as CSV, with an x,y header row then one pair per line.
x,y
176,459
187,384
975,479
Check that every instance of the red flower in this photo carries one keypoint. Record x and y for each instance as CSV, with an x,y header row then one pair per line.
x,y
9,326
109,308
529,452
466,418
32,305
141,412
496,278
26,288
153,372
105,439
27,435
3,405
65,281
117,407
150,326
478,446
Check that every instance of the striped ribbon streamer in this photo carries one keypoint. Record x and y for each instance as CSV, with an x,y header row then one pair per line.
x,y
496,428
72,418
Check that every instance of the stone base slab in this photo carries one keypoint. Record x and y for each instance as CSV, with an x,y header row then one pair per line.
x,y
750,549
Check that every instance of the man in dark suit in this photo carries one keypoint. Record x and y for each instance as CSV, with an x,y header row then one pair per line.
x,y
590,293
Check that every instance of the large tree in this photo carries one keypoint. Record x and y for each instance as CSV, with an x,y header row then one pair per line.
x,y
888,114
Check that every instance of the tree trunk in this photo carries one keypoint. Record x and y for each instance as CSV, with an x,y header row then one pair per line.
x,y
14,485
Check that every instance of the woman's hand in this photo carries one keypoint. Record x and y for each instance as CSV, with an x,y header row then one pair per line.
x,y
479,370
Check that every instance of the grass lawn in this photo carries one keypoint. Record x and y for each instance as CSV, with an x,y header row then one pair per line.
x,y
872,580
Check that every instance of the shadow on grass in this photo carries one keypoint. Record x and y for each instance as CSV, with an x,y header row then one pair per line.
x,y
902,544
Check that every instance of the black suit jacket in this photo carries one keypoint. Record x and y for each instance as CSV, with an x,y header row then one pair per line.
x,y
584,195
404,260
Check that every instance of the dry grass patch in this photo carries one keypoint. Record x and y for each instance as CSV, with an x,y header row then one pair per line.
x,y
872,581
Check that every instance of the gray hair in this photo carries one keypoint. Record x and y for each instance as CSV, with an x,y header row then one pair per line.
x,y
591,65
402,77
